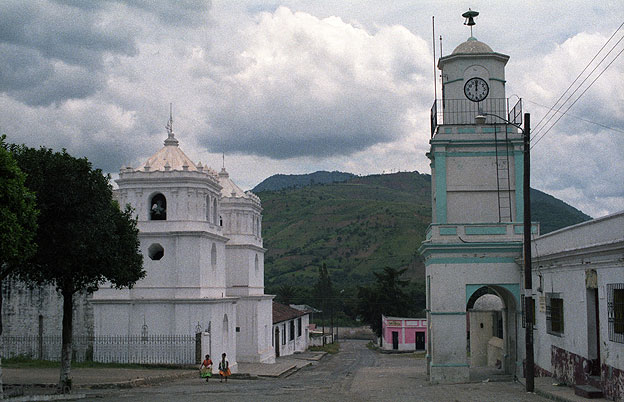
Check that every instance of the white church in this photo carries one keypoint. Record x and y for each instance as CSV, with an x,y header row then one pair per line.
x,y
201,240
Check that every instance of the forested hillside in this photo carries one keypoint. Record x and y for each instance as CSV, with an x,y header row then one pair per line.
x,y
360,226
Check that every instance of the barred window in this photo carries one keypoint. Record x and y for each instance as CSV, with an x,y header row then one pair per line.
x,y
615,307
292,330
554,314
298,326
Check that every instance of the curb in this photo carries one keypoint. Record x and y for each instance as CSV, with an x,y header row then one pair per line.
x,y
137,382
289,370
30,398
546,394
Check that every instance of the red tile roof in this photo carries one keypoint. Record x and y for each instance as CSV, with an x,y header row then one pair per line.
x,y
282,312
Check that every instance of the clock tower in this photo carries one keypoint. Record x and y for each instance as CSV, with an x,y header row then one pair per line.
x,y
474,244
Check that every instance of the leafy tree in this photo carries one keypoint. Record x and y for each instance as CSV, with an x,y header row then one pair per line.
x,y
18,220
84,239
388,296
323,290
285,294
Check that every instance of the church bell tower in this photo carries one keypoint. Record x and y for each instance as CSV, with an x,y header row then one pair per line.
x,y
475,240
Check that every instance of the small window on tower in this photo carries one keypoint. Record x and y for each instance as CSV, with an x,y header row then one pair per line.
x,y
156,252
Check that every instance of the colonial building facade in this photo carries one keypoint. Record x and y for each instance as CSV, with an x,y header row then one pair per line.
x,y
578,277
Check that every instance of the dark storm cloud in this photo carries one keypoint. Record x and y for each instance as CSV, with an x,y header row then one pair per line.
x,y
175,12
296,124
68,34
51,52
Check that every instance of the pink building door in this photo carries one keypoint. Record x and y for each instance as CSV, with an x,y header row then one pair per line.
x,y
395,340
420,341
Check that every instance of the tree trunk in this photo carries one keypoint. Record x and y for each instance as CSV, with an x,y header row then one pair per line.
x,y
65,382
1,343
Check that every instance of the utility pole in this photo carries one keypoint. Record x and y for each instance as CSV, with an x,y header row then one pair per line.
x,y
528,279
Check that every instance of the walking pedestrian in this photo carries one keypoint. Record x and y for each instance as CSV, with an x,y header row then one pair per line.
x,y
224,368
205,369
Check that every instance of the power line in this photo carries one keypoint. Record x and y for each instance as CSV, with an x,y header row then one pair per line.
x,y
536,133
550,116
579,76
579,97
576,117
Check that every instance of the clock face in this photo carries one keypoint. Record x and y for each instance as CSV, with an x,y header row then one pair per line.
x,y
476,89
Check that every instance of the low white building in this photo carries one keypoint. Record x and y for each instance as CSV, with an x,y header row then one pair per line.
x,y
291,332
578,281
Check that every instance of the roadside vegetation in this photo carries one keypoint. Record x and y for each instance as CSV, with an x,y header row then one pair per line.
x,y
331,348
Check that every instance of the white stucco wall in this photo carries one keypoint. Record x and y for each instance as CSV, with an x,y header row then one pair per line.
x,y
254,338
562,260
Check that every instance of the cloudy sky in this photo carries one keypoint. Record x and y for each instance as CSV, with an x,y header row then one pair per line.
x,y
299,86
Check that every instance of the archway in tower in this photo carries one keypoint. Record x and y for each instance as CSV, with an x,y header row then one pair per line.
x,y
491,329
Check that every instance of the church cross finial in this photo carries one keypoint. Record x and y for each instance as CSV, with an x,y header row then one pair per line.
x,y
469,16
171,140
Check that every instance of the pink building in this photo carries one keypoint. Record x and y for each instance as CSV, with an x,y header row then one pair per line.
x,y
403,333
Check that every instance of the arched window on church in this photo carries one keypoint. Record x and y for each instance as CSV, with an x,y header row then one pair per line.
x,y
214,211
225,331
213,256
208,208
257,265
158,207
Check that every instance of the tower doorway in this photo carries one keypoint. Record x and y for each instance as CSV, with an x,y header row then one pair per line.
x,y
491,332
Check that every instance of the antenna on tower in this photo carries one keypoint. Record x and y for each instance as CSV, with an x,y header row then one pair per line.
x,y
435,75
469,16
223,155
171,140
169,125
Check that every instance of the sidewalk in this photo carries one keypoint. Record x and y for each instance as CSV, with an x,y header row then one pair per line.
x,y
40,384
549,387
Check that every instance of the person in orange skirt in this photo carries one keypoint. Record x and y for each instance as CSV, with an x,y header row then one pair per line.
x,y
224,368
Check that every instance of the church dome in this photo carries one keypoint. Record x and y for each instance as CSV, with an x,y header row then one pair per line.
x,y
170,157
231,190
472,46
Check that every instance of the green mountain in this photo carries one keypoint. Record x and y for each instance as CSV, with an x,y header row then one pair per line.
x,y
362,225
282,181
552,213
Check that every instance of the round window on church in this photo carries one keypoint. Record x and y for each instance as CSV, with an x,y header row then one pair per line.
x,y
156,252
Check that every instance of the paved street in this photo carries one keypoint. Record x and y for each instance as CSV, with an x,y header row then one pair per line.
x,y
355,374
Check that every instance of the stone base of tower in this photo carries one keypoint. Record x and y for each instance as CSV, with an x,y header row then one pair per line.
x,y
440,374
253,336
449,363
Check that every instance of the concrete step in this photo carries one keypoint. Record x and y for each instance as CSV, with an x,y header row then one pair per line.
x,y
594,381
587,391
